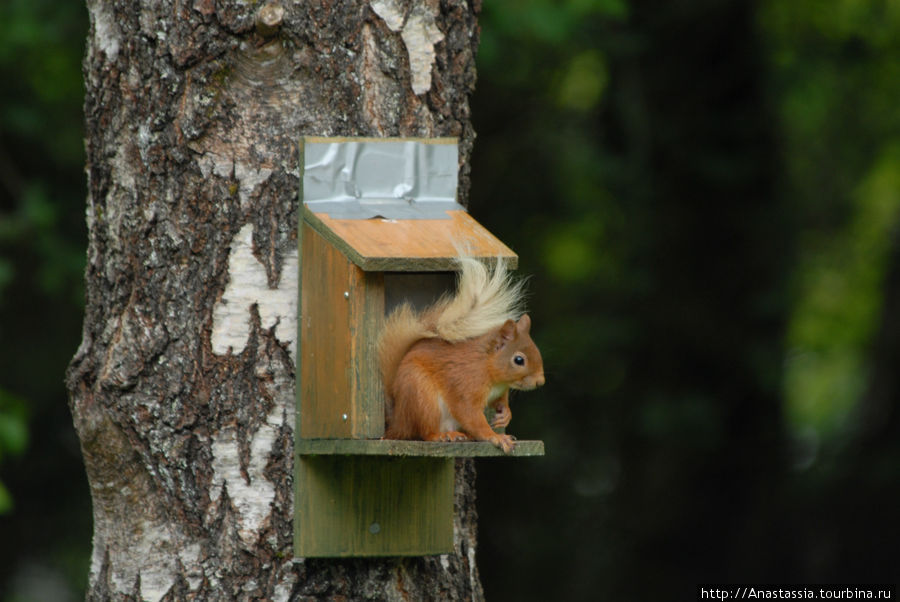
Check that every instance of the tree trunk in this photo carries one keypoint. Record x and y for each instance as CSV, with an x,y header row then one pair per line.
x,y
182,391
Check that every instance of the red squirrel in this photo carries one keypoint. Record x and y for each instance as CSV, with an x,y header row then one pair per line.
x,y
443,366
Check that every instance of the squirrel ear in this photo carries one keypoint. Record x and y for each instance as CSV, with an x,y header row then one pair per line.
x,y
524,323
506,333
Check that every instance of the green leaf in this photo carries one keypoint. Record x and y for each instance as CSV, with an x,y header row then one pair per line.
x,y
583,82
13,424
6,501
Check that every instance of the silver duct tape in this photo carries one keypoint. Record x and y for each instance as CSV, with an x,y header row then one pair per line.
x,y
392,179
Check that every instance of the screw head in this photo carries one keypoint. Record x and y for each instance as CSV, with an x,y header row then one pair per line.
x,y
344,417
374,528
346,294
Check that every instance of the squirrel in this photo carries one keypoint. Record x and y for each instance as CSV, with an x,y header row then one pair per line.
x,y
442,367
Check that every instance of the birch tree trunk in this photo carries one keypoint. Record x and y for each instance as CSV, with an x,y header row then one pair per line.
x,y
182,390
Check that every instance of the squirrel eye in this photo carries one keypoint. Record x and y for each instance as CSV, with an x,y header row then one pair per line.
x,y
519,360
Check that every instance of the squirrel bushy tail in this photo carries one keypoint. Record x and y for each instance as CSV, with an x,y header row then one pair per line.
x,y
485,298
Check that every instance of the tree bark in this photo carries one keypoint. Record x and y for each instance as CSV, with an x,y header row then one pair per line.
x,y
182,390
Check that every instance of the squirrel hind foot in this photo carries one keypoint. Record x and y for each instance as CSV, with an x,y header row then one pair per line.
x,y
447,436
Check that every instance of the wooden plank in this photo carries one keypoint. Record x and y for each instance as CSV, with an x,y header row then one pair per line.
x,y
410,245
366,305
342,312
325,348
365,506
392,447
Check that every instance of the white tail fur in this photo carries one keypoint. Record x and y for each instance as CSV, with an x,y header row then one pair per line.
x,y
484,300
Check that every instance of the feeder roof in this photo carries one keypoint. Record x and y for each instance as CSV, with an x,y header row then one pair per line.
x,y
389,204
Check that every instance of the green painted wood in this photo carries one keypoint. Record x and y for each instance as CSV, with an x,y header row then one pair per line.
x,y
412,449
373,506
298,372
366,305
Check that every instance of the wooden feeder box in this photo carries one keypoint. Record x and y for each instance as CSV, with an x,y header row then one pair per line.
x,y
379,225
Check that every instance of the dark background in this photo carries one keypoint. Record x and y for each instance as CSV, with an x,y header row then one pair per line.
x,y
706,195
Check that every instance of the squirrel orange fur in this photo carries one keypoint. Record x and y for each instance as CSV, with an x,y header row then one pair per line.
x,y
444,366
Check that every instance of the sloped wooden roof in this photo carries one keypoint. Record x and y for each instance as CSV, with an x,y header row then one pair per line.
x,y
410,244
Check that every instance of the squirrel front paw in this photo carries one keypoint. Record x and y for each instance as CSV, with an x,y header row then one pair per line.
x,y
502,417
505,442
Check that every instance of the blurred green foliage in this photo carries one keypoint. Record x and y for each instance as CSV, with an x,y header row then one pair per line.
x,y
41,150
706,194
13,437
44,505
836,81
41,54
839,304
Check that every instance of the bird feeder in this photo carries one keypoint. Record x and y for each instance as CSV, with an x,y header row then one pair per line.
x,y
379,225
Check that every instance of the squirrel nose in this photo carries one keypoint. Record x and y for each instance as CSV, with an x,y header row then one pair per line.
x,y
539,381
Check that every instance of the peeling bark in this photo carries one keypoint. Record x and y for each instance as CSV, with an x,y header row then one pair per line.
x,y
182,391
